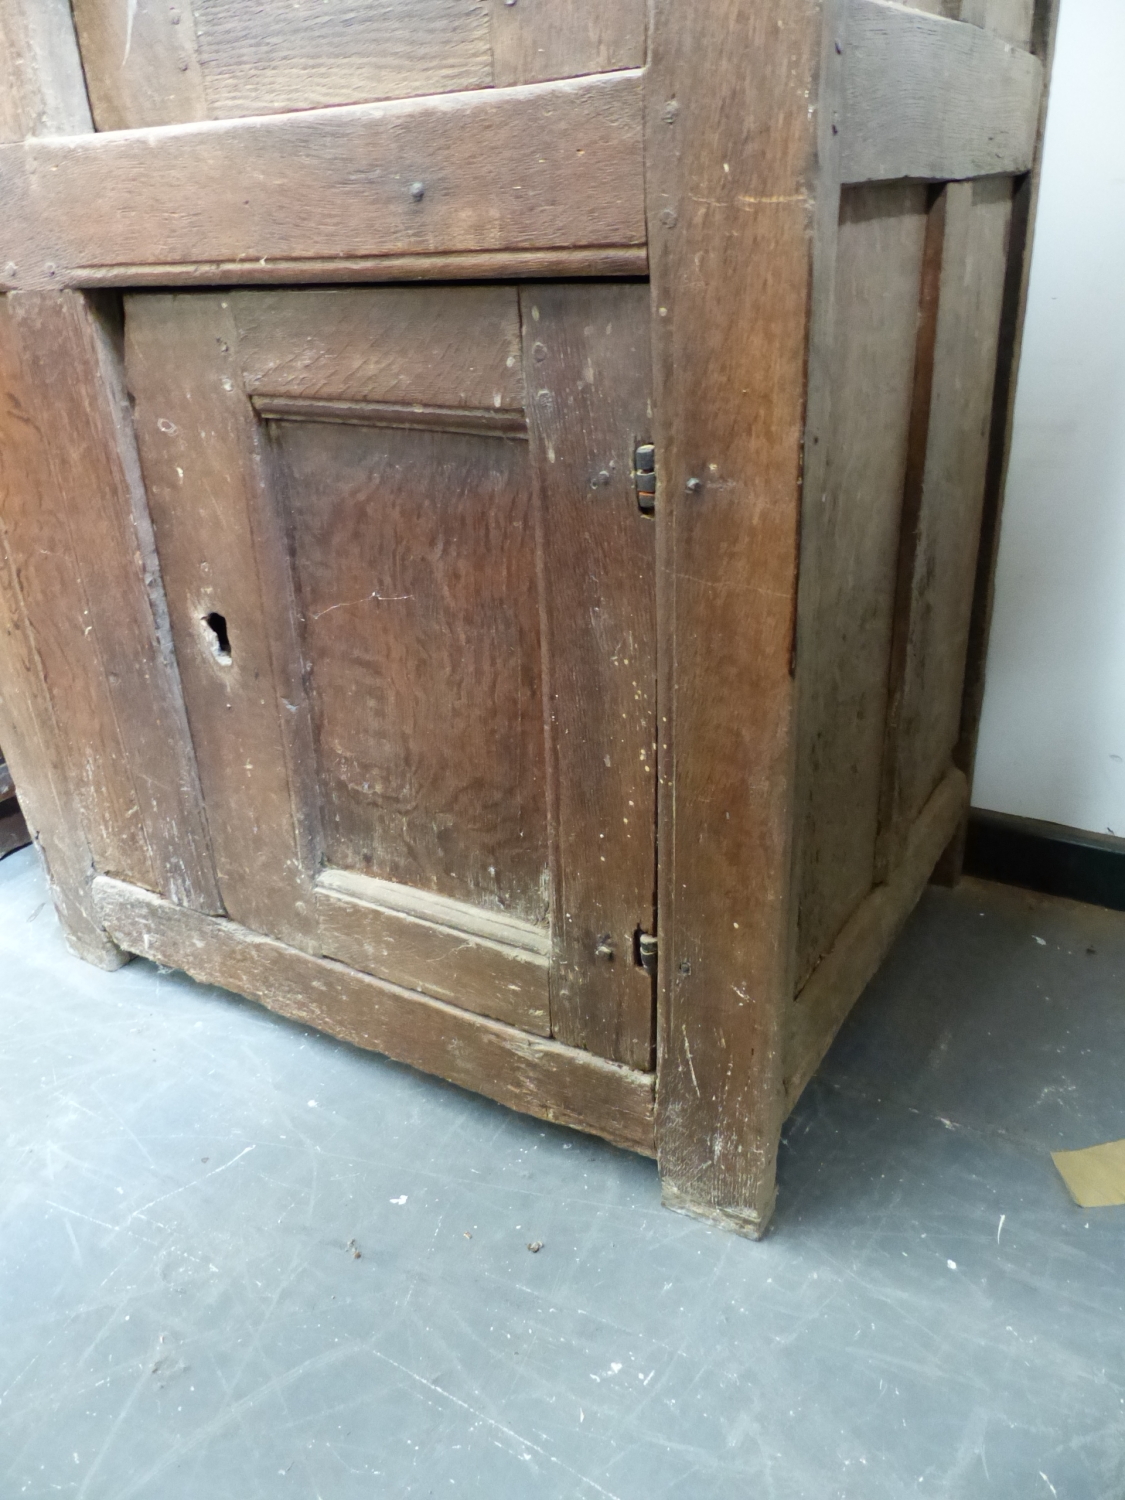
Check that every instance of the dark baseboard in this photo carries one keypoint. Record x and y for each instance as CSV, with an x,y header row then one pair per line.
x,y
1047,857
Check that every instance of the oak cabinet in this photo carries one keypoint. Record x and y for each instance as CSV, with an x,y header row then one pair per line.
x,y
492,499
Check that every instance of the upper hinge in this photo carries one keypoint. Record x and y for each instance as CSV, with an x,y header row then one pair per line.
x,y
647,951
644,472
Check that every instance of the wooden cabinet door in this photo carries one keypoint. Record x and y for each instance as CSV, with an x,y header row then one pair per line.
x,y
411,592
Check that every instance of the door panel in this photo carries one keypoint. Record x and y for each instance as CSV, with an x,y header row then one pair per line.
x,y
414,554
416,625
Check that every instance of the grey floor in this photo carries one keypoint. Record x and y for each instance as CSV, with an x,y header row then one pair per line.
x,y
181,1314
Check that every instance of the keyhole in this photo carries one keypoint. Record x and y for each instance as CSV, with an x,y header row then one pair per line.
x,y
215,633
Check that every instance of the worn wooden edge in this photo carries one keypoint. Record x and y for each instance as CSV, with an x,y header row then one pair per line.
x,y
440,911
533,1075
844,972
597,261
734,177
482,422
907,78
1024,204
42,88
563,171
474,973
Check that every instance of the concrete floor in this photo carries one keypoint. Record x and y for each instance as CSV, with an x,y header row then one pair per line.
x,y
181,1314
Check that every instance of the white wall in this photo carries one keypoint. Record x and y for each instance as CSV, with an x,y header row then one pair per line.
x,y
1053,734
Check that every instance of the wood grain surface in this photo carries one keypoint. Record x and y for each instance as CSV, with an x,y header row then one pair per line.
x,y
586,351
539,39
42,91
730,166
931,98
414,556
854,528
531,1074
80,555
222,552
443,951
949,518
450,347
563,170
151,63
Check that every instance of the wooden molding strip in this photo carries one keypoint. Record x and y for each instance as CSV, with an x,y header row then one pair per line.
x,y
483,422
539,167
534,1075
845,971
443,911
589,262
447,949
933,99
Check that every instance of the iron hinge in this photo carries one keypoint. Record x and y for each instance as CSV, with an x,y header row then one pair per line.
x,y
644,473
647,949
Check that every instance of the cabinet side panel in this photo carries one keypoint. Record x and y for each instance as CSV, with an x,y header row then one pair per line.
x,y
853,529
936,595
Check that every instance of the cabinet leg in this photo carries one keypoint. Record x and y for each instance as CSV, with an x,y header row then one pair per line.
x,y
950,867
84,935
749,1221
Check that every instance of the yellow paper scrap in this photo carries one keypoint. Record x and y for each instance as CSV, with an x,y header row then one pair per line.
x,y
1095,1176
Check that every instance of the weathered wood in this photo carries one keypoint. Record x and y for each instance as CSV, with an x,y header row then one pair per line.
x,y
78,542
455,347
41,85
259,59
154,64
563,170
41,89
1010,19
486,265
201,454
932,99
935,601
482,422
538,39
498,927
729,152
415,642
534,1075
850,546
414,557
818,1012
35,748
588,364
141,62
447,949
1000,431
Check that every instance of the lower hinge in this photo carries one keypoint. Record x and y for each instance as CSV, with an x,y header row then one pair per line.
x,y
644,473
647,953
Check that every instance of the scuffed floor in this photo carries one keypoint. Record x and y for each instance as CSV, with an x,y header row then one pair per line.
x,y
185,1181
